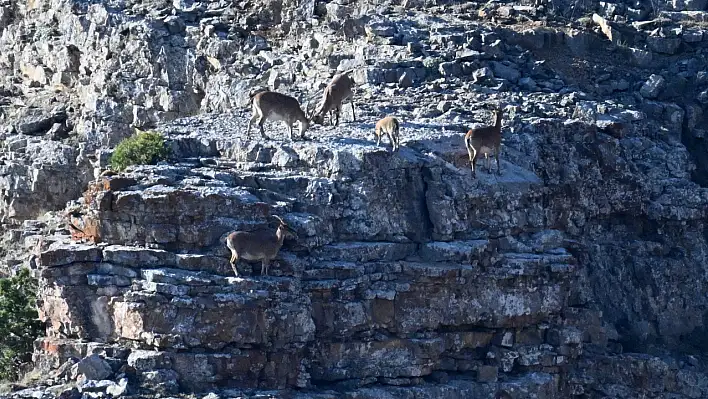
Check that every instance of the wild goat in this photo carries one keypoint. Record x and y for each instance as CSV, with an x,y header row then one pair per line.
x,y
271,105
485,140
260,245
391,127
338,90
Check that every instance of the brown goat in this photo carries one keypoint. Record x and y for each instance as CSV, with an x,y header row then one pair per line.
x,y
260,245
485,140
271,105
338,90
390,126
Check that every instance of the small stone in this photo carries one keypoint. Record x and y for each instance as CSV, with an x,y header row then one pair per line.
x,y
72,393
285,158
487,373
58,131
482,75
36,74
35,122
505,71
702,77
5,17
96,386
641,57
621,85
175,24
663,45
405,80
689,5
162,381
450,69
692,36
117,390
528,83
507,339
653,86
444,106
64,254
92,367
607,28
145,360
703,97
440,377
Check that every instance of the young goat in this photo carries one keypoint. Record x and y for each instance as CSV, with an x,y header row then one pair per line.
x,y
338,90
485,140
271,105
260,245
391,127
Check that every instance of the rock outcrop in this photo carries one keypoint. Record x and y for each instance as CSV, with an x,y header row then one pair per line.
x,y
579,272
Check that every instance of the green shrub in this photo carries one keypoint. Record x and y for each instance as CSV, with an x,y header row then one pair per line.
x,y
142,148
19,323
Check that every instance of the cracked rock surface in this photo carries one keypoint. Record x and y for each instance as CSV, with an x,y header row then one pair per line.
x,y
579,271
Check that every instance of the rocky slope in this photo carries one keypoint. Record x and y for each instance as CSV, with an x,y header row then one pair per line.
x,y
579,272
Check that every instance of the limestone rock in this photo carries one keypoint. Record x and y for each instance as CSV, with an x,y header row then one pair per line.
x,y
92,368
653,86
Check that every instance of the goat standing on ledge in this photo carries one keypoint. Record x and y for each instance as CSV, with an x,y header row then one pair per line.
x,y
271,105
485,140
390,126
338,90
260,245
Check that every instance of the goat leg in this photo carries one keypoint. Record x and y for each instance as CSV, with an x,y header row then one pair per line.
x,y
234,261
264,267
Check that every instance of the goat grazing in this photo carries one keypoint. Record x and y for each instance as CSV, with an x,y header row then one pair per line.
x,y
260,245
271,105
338,90
485,140
391,127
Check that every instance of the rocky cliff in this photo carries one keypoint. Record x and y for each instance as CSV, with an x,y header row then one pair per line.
x,y
580,271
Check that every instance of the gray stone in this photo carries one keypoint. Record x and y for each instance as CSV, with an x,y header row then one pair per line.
x,y
640,57
653,86
444,106
5,16
528,83
160,381
482,75
456,251
67,59
36,122
92,367
72,393
689,5
65,254
406,80
505,71
384,293
450,69
144,360
381,28
663,45
692,35
119,389
175,24
703,97
487,373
